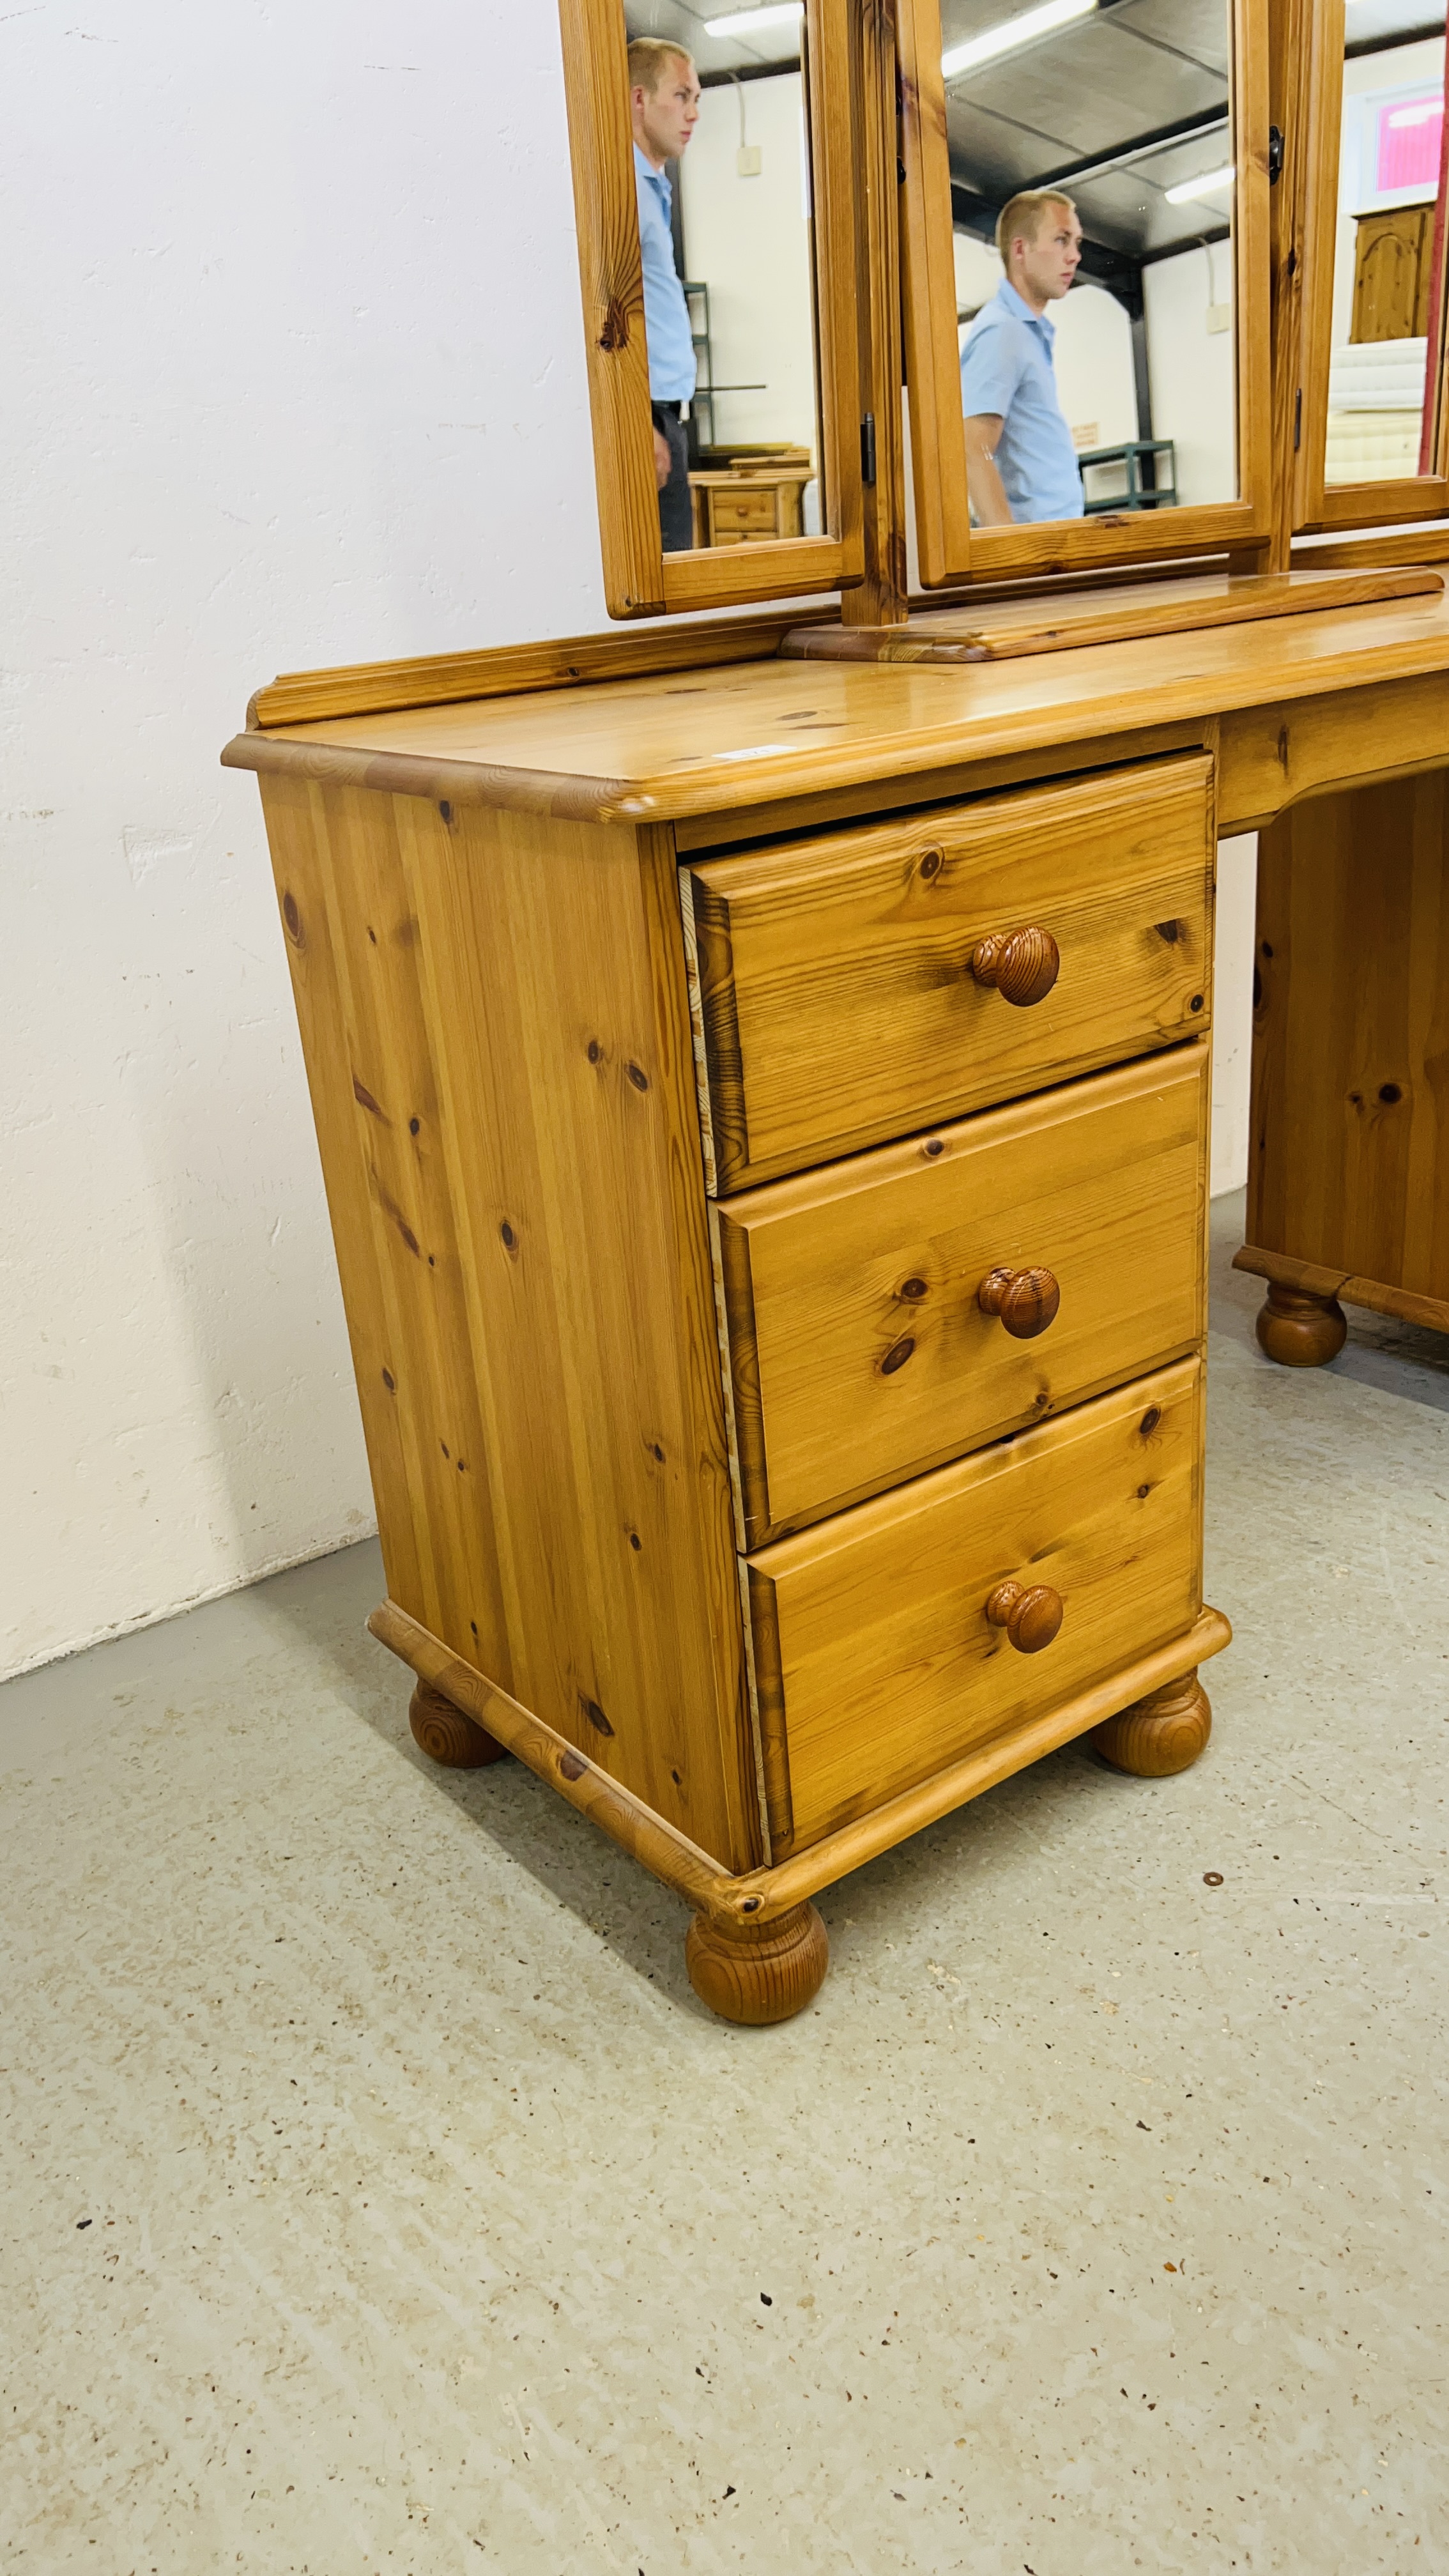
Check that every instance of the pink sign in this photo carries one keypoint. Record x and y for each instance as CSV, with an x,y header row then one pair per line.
x,y
1409,138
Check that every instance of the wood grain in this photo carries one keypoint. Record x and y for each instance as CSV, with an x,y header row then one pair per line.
x,y
720,834
497,1035
1392,254
372,1068
1407,546
840,238
1160,1735
1349,1137
1289,80
511,670
763,1895
884,1660
835,991
1027,1302
711,743
574,1775
1378,1295
516,670
447,1735
928,283
758,1973
859,1351
1006,629
611,279
1270,758
1300,1331
1031,1614
881,600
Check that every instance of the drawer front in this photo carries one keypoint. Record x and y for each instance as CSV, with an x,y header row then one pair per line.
x,y
876,1662
835,994
859,1350
742,514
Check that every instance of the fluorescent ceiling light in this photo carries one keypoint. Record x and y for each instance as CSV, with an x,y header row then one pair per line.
x,y
743,22
1011,33
1207,186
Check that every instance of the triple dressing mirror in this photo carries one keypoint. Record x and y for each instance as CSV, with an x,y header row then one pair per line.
x,y
1369,414
1086,238
717,249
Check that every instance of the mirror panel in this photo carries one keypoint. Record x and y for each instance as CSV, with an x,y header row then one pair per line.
x,y
1376,228
1112,377
725,224
727,345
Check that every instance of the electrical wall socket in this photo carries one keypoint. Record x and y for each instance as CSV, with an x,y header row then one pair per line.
x,y
750,159
1220,317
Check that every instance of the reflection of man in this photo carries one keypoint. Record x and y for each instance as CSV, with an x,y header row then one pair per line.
x,y
664,100
1020,461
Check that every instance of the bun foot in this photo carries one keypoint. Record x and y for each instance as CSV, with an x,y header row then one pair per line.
x,y
758,1976
1160,1734
447,1736
1301,1331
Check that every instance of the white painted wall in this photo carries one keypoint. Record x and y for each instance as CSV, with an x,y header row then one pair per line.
x,y
1094,365
293,376
978,270
1191,369
748,239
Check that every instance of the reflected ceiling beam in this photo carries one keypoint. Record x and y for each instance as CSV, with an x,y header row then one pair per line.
x,y
1140,147
749,72
1013,35
1356,48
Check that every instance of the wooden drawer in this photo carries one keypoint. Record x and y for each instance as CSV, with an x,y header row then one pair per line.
x,y
859,1351
737,516
832,979
875,1661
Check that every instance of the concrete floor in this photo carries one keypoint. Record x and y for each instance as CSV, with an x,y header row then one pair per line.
x,y
1093,2218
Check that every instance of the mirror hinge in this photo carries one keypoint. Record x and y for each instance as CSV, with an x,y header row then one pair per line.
x,y
867,448
1276,149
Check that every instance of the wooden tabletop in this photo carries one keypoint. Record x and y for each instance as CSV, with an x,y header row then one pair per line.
x,y
697,742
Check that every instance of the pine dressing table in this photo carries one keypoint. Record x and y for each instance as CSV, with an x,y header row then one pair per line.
x,y
761,1072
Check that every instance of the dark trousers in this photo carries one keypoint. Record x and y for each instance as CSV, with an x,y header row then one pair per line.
x,y
676,510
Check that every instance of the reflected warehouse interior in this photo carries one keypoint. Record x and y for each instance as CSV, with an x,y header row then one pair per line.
x,y
741,401
1125,107
1388,253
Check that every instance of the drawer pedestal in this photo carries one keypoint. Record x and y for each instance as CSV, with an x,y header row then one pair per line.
x,y
776,1295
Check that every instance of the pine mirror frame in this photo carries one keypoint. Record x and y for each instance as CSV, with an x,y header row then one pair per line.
x,y
1316,34
640,579
950,551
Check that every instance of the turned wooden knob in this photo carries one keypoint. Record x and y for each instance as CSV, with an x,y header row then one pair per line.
x,y
1026,1300
1030,1614
1022,964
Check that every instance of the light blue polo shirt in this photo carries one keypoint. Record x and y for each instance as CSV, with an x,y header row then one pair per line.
x,y
666,314
1006,368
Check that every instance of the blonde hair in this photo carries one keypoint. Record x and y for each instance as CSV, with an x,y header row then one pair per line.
x,y
1023,214
649,59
